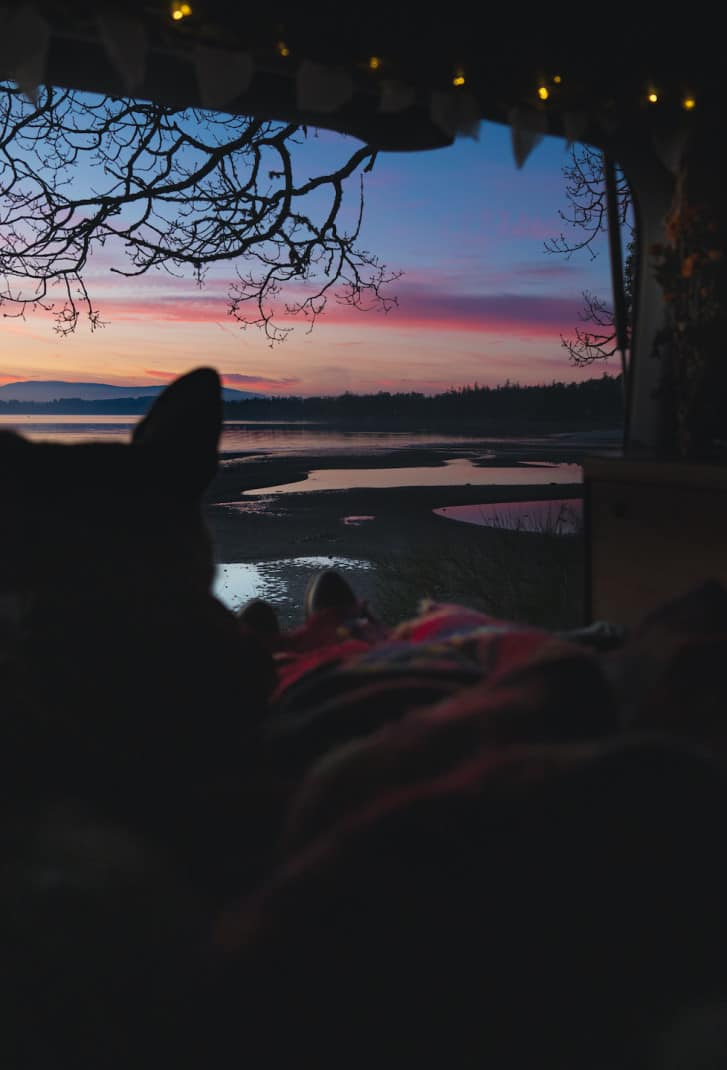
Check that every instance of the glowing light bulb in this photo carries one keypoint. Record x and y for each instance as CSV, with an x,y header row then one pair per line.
x,y
180,11
283,48
458,78
543,92
652,96
374,63
557,79
689,102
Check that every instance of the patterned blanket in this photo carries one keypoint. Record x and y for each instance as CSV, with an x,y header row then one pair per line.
x,y
504,849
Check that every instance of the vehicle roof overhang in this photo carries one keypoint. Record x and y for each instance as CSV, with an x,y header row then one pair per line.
x,y
312,64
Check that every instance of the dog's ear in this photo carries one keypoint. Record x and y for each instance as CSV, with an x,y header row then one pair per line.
x,y
185,422
15,456
12,446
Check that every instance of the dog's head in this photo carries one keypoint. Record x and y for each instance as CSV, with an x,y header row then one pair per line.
x,y
125,681
109,515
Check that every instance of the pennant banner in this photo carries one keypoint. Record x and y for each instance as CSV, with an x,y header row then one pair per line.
x,y
457,113
24,42
670,148
575,124
221,76
395,97
528,128
126,46
322,88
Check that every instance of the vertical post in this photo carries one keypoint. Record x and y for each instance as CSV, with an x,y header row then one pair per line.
x,y
652,189
616,255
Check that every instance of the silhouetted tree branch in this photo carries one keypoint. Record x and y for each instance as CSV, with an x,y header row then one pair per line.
x,y
587,215
176,191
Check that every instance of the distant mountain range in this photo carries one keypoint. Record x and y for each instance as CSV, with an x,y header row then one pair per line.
x,y
43,392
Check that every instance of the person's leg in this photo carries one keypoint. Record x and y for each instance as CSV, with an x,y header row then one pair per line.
x,y
329,590
260,617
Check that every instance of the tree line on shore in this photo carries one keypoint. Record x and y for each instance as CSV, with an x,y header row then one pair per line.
x,y
594,402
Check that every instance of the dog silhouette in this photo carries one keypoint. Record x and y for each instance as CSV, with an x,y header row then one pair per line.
x,y
128,687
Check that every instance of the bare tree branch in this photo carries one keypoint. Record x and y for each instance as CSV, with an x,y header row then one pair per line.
x,y
175,191
588,345
587,215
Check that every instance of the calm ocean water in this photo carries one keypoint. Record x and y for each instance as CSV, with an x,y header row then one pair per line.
x,y
298,440
243,436
266,439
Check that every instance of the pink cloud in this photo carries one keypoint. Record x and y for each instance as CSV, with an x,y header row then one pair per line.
x,y
255,382
505,313
418,386
180,308
522,226
419,306
233,379
165,376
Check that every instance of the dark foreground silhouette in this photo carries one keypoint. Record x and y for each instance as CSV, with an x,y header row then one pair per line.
x,y
456,842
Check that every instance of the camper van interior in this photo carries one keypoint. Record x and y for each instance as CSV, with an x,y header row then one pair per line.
x,y
454,839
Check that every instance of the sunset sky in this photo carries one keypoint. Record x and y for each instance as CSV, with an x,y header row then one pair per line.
x,y
479,299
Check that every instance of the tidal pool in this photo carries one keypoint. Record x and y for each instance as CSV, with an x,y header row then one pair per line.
x,y
282,583
458,471
557,516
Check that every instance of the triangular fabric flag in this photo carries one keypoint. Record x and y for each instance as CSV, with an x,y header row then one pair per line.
x,y
457,113
395,96
670,146
126,45
575,124
24,49
221,75
528,128
322,88
608,120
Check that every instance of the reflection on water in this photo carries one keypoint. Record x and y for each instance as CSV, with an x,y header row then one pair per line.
x,y
275,581
237,436
260,507
71,430
285,437
559,516
459,471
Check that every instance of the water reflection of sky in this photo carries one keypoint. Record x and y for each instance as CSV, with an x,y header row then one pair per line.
x,y
459,471
267,437
239,582
559,516
245,438
237,436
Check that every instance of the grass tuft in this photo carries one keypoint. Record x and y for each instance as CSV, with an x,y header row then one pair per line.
x,y
531,576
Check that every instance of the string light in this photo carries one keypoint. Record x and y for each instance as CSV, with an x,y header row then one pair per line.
x,y
181,11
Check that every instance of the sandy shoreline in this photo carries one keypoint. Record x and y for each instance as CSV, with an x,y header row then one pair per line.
x,y
266,527
397,520
276,532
